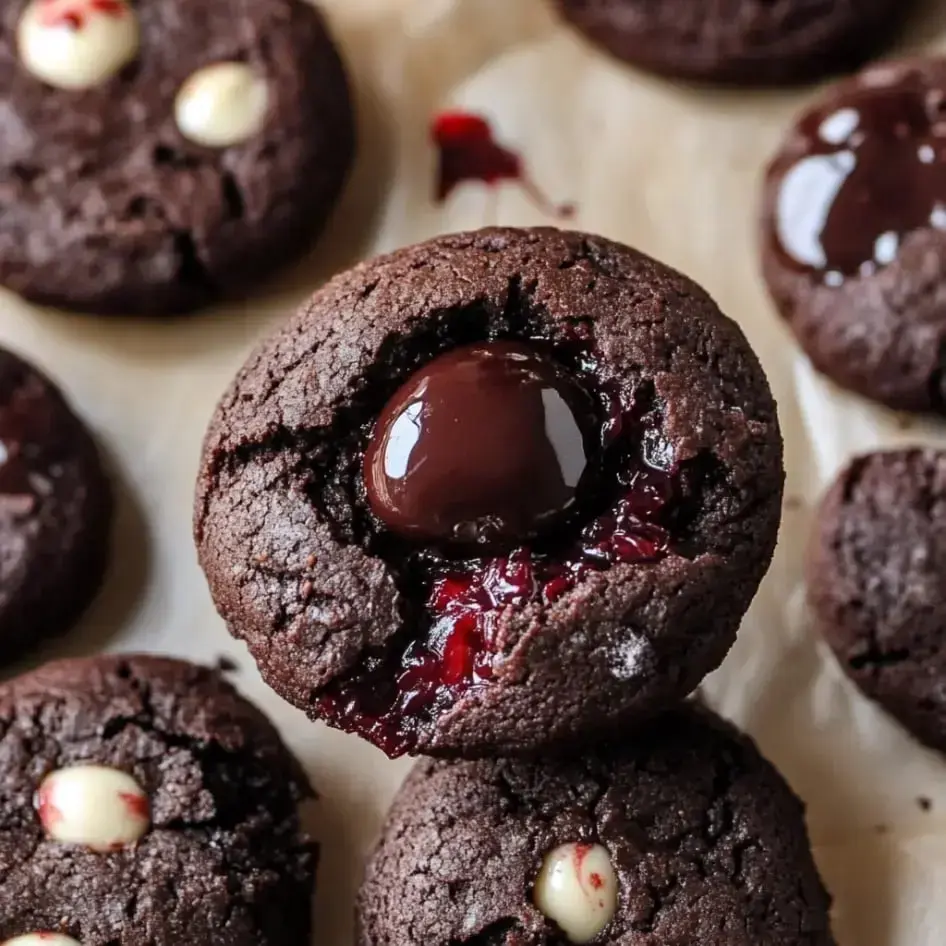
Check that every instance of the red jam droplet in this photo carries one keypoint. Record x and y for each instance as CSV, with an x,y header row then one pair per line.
x,y
469,152
484,446
73,13
862,172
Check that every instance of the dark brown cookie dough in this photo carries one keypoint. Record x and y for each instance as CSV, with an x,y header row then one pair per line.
x,y
702,839
201,846
616,610
55,510
745,42
877,583
105,205
854,248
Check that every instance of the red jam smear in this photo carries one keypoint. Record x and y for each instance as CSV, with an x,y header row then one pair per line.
x,y
468,151
391,700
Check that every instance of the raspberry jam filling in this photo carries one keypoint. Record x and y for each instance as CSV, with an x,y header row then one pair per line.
x,y
513,483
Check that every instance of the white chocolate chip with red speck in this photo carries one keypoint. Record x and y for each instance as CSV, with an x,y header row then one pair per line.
x,y
222,105
77,44
101,808
577,888
41,939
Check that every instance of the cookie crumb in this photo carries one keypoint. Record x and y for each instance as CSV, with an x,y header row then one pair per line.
x,y
924,803
226,664
793,503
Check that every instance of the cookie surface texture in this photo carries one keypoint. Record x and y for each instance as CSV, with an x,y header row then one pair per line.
x,y
876,586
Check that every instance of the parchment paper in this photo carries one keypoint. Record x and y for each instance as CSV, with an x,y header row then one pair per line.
x,y
672,170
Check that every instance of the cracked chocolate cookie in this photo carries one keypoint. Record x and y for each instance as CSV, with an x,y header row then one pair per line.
x,y
145,801
877,583
739,41
157,154
682,835
854,234
55,510
497,490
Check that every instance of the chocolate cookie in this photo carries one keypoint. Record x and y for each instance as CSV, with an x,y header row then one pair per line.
x,y
493,491
877,583
854,241
55,510
682,835
160,153
144,801
739,41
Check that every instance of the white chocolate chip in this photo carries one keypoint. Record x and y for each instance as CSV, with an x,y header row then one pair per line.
x,y
578,889
222,105
41,939
101,808
77,44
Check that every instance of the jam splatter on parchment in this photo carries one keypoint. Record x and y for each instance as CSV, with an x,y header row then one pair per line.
x,y
469,152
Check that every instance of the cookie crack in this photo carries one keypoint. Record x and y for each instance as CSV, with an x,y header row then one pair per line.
x,y
875,659
936,384
191,268
498,933
697,850
208,754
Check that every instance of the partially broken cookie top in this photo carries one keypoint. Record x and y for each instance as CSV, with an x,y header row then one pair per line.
x,y
469,446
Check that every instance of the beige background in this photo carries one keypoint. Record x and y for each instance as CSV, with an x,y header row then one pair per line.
x,y
672,171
